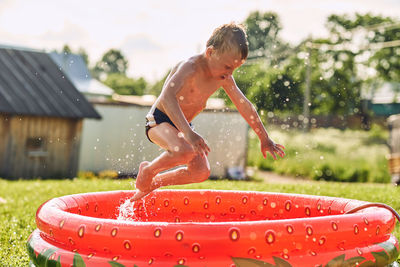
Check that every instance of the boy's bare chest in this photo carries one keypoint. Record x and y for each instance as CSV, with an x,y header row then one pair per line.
x,y
198,91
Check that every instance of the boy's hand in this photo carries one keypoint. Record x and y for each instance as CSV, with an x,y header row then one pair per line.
x,y
269,146
198,143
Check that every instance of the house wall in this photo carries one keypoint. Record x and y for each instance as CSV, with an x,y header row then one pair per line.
x,y
118,141
39,147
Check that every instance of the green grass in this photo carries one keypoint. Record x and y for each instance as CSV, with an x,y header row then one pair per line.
x,y
328,154
24,197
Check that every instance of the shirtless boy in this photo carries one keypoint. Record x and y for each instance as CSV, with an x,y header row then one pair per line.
x,y
183,97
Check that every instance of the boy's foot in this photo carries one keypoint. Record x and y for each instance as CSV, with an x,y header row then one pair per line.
x,y
138,195
143,180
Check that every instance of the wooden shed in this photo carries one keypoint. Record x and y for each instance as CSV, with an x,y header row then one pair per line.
x,y
41,114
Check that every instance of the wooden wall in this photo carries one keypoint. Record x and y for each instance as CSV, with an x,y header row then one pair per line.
x,y
45,147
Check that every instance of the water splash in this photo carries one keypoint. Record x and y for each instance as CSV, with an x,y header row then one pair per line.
x,y
128,211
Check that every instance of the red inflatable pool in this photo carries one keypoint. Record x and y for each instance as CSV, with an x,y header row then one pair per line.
x,y
211,228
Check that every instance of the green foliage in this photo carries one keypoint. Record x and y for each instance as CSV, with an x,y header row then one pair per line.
x,y
327,154
156,88
377,135
116,264
340,261
124,85
113,61
86,175
385,61
43,258
269,89
81,51
336,73
108,174
66,49
336,80
262,30
246,262
78,261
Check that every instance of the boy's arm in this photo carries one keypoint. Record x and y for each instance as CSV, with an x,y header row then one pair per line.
x,y
249,113
183,76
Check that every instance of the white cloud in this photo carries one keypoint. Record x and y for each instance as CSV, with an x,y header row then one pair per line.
x,y
140,43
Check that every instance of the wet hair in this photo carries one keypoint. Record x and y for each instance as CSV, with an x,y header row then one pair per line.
x,y
230,36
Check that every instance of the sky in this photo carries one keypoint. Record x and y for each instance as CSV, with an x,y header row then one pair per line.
x,y
155,34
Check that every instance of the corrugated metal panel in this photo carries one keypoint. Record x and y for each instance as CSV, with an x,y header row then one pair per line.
x,y
76,70
32,84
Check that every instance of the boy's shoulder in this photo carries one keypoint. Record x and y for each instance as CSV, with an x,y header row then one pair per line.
x,y
189,66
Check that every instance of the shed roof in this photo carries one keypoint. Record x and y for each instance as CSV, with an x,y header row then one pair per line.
x,y
32,84
75,68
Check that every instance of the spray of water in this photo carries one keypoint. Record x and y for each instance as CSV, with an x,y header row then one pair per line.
x,y
128,211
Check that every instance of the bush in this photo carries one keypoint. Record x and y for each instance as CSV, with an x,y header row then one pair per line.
x,y
108,174
377,135
86,175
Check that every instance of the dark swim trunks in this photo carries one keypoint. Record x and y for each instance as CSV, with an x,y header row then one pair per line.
x,y
159,117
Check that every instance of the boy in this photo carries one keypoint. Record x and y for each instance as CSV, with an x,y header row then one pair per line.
x,y
184,95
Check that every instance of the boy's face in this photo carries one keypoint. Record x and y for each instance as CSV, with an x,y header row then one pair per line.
x,y
223,64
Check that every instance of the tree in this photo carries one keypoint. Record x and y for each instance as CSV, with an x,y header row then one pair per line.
x,y
124,85
263,37
81,51
66,49
371,30
262,30
113,61
268,88
338,63
156,88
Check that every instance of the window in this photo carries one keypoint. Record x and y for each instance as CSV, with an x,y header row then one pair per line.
x,y
35,146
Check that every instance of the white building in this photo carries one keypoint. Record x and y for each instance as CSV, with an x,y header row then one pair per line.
x,y
118,141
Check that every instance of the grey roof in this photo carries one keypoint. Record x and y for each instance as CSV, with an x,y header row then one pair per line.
x,y
32,84
76,70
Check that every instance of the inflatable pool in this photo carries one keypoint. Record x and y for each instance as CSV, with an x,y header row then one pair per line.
x,y
211,228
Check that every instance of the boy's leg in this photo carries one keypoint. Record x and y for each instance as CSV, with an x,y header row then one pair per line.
x,y
197,170
178,152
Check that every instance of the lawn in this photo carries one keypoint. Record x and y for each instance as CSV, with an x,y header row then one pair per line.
x,y
328,154
24,197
